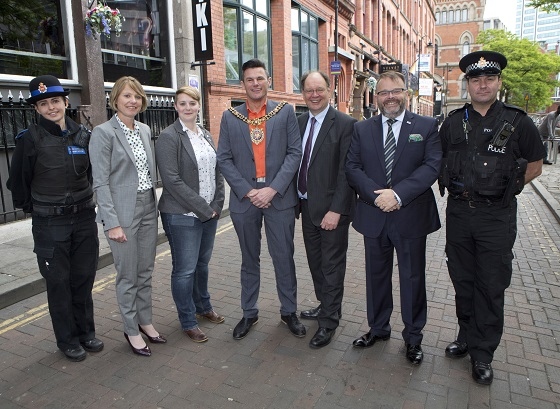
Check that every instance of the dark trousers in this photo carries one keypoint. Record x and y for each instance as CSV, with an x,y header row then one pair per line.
x,y
67,249
479,258
411,256
326,257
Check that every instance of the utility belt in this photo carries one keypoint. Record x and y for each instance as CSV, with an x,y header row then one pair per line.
x,y
41,210
476,203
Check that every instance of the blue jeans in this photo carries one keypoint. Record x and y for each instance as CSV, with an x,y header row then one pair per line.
x,y
191,242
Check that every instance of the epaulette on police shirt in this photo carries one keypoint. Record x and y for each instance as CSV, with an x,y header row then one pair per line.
x,y
20,134
516,108
458,109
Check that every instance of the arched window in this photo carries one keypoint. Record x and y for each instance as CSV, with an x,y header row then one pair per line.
x,y
444,17
450,19
457,15
465,15
438,17
466,48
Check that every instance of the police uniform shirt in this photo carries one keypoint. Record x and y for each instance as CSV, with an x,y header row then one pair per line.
x,y
529,141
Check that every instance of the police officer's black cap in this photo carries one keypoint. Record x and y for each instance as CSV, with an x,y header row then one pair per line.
x,y
482,63
45,86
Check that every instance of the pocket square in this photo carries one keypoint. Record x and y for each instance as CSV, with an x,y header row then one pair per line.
x,y
415,137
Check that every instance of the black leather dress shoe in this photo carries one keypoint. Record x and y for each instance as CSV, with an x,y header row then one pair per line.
x,y
313,313
414,354
92,345
294,325
242,328
321,338
138,351
368,340
457,349
482,373
75,354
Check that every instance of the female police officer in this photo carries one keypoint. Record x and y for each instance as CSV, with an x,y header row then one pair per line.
x,y
50,178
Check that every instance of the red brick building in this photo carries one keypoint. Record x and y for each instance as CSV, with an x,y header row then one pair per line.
x,y
458,24
295,36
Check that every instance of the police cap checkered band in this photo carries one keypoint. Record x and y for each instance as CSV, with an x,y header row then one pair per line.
x,y
482,63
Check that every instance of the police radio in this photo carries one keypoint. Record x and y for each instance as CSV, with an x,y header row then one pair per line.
x,y
503,135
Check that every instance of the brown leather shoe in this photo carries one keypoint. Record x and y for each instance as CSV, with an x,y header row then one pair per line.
x,y
212,317
196,335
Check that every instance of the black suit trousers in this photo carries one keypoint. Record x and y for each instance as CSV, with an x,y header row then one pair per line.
x,y
326,257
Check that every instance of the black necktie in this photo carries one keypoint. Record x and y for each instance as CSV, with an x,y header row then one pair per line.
x,y
390,148
302,178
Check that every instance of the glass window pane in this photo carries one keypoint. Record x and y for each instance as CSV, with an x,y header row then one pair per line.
x,y
296,69
262,7
248,37
304,23
141,50
295,19
313,31
305,60
313,56
262,41
32,38
231,44
248,3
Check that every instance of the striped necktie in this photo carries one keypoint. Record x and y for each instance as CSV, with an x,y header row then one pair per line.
x,y
390,148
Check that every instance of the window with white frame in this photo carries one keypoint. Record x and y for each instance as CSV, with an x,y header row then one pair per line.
x,y
34,38
142,48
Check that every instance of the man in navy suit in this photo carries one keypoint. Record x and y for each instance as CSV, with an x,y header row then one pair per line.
x,y
327,201
393,160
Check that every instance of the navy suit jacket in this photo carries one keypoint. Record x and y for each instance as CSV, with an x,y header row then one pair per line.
x,y
415,169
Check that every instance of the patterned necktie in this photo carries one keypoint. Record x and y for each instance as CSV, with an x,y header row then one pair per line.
x,y
390,148
302,178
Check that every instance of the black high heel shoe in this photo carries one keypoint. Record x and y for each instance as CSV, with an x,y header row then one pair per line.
x,y
139,351
154,340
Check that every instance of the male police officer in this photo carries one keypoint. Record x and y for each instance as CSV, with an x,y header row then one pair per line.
x,y
490,150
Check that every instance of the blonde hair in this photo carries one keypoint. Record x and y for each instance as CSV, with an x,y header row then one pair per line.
x,y
120,85
190,91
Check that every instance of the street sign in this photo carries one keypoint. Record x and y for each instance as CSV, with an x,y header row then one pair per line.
x,y
336,67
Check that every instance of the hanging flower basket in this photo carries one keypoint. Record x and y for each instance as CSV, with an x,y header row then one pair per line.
x,y
371,83
102,19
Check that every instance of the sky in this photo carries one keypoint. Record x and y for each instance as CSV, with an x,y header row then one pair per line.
x,y
504,10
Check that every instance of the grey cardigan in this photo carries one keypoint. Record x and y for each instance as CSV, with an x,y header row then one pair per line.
x,y
179,173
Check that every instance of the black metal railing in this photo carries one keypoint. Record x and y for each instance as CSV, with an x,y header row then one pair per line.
x,y
16,116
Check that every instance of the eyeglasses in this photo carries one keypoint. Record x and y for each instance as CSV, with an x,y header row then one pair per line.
x,y
318,91
396,92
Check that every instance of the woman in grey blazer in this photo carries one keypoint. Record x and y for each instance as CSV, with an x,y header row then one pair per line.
x,y
123,170
190,205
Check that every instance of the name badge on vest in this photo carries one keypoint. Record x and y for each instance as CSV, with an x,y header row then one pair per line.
x,y
76,150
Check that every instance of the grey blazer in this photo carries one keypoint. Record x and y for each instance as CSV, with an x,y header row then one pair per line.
x,y
283,155
115,178
179,173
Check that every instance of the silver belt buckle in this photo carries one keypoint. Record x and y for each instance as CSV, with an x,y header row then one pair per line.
x,y
261,180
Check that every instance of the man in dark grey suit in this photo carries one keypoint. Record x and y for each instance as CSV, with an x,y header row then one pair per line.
x,y
326,199
259,152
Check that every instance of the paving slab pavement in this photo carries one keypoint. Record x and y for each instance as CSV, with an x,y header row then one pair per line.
x,y
272,369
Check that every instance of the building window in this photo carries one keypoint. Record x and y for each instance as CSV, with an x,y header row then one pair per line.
x,y
33,38
142,49
466,48
465,15
305,43
246,34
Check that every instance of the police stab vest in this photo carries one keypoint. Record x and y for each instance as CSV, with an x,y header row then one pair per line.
x,y
61,168
483,166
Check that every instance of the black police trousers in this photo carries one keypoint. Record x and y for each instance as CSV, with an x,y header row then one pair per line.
x,y
479,245
67,249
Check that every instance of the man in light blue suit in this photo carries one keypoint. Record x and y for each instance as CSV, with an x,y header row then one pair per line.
x,y
259,152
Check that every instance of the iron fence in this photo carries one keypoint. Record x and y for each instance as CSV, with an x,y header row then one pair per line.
x,y
16,116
